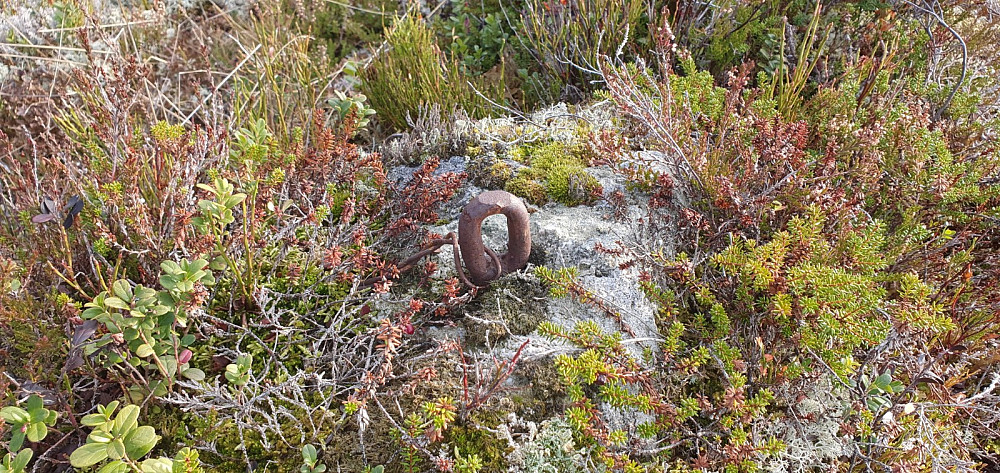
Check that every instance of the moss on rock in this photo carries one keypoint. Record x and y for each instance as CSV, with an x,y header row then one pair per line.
x,y
513,300
489,172
554,173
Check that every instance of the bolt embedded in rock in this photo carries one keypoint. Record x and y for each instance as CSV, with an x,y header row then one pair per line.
x,y
485,265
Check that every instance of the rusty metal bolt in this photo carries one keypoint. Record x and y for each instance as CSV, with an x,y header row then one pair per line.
x,y
483,263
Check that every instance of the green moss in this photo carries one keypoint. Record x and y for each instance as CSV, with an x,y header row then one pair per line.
x,y
554,174
527,188
489,171
512,300
490,449
336,439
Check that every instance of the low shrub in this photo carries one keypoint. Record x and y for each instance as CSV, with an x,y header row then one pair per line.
x,y
412,72
564,41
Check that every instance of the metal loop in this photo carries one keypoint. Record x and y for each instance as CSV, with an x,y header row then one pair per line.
x,y
483,263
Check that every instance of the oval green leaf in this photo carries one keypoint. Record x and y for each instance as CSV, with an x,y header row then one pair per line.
x,y
36,431
15,415
144,350
115,303
127,420
89,454
157,465
116,466
21,460
116,449
140,441
194,374
92,420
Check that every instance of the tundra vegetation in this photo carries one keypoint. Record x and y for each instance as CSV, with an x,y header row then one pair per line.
x,y
201,220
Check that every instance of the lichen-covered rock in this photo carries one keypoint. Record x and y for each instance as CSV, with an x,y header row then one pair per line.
x,y
812,444
543,449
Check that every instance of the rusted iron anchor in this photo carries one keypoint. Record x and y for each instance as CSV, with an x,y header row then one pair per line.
x,y
483,263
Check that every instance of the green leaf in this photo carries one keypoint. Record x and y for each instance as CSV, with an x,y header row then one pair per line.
x,y
92,420
116,449
122,289
170,363
127,420
38,414
21,460
140,441
15,415
111,407
16,440
168,282
309,453
116,466
101,436
116,303
194,374
236,199
36,431
218,263
160,309
157,465
93,313
171,267
158,388
144,293
88,455
207,188
144,350
34,403
883,381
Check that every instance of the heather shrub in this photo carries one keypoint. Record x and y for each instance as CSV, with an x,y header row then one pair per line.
x,y
412,72
798,261
206,265
562,42
196,260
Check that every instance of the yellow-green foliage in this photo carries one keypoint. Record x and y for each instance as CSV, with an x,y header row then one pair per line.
x,y
31,337
554,173
413,72
487,446
696,91
826,292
